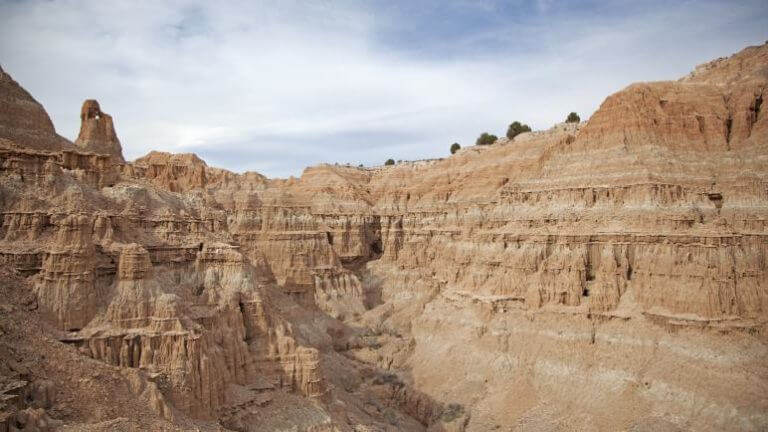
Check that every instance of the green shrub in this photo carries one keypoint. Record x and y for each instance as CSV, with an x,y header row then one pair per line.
x,y
486,139
573,118
455,147
516,128
389,162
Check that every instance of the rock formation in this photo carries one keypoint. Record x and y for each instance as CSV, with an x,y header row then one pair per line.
x,y
608,275
23,120
97,133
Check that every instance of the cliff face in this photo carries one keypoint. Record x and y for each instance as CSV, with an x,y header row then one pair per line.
x,y
23,120
604,276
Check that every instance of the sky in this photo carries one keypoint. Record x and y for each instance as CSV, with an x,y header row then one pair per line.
x,y
275,86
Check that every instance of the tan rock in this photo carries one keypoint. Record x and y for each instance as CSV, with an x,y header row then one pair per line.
x,y
609,275
97,132
24,121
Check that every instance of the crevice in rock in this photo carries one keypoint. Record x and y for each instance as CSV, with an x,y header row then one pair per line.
x,y
716,198
589,270
590,275
376,247
244,317
755,111
375,244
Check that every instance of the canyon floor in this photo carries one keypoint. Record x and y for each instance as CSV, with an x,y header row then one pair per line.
x,y
609,275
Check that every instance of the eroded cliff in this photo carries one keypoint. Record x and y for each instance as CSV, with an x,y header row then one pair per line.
x,y
609,275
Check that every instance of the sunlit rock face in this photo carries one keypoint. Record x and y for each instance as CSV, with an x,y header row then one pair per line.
x,y
608,275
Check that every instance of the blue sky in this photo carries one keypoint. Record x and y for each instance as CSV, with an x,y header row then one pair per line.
x,y
277,85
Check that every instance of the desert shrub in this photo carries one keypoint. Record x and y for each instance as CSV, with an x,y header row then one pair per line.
x,y
373,343
452,412
573,118
516,128
391,416
486,139
389,162
387,378
455,147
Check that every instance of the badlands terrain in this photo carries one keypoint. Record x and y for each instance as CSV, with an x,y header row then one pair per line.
x,y
604,276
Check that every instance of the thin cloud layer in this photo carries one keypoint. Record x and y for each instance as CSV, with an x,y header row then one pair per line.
x,y
275,86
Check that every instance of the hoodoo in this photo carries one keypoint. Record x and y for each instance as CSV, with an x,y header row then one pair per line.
x,y
97,132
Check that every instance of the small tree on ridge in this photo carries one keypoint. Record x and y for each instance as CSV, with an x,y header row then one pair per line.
x,y
516,128
486,139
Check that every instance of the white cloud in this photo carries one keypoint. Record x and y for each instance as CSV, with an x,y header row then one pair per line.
x,y
277,85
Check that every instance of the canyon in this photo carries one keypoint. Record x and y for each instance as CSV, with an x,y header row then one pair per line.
x,y
600,276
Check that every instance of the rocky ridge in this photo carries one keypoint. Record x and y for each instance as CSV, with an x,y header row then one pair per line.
x,y
604,276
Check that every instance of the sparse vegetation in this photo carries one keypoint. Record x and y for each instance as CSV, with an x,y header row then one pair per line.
x,y
452,412
455,147
389,162
516,128
387,378
573,118
390,416
486,139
